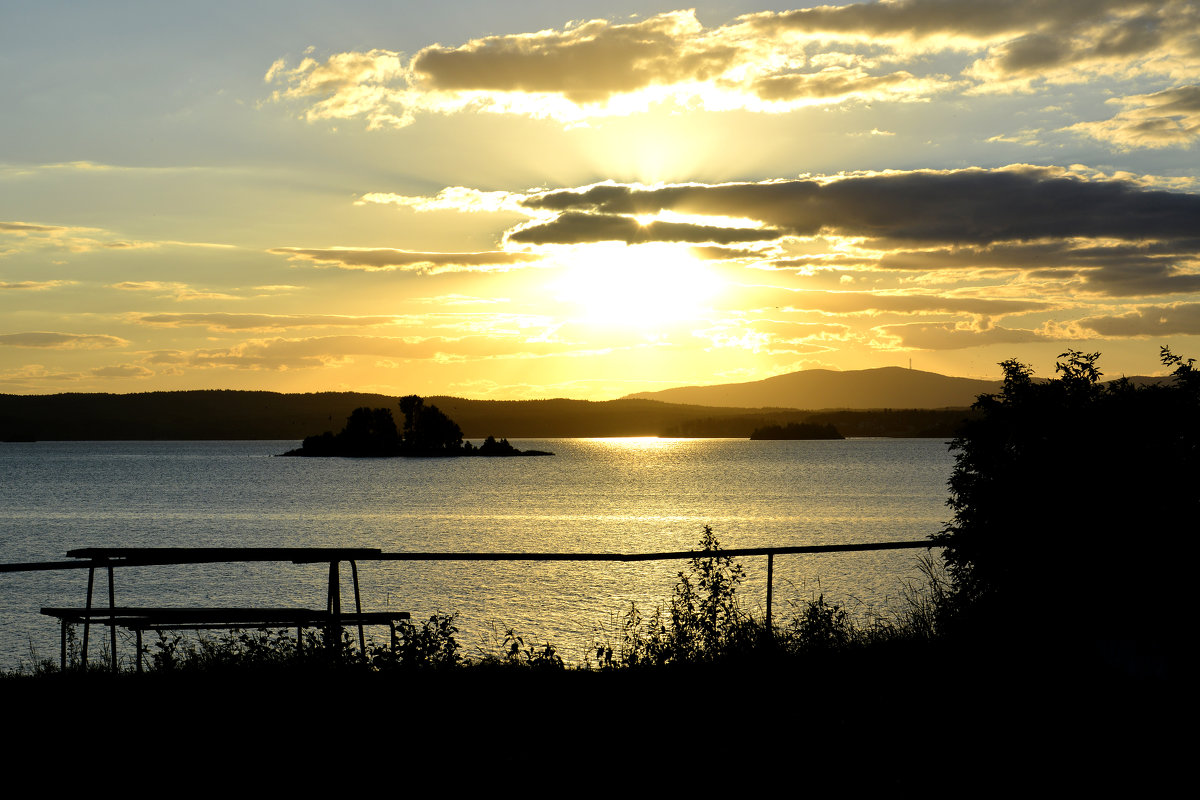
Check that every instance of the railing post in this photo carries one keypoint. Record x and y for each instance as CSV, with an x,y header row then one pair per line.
x,y
770,580
112,623
333,633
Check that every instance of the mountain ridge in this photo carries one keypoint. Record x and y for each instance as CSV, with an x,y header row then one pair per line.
x,y
880,387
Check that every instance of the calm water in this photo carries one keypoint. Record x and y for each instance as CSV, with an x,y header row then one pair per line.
x,y
595,495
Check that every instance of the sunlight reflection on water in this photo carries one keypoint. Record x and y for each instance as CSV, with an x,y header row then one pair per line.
x,y
595,495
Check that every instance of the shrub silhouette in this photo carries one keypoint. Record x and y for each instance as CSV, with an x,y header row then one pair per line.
x,y
703,621
1070,493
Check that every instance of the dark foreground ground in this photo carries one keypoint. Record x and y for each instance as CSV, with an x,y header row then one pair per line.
x,y
932,720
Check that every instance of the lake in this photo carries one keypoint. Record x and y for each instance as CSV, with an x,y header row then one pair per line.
x,y
594,495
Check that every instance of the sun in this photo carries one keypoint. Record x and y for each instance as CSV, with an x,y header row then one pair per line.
x,y
645,286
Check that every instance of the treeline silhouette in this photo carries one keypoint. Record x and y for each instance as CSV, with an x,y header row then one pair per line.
x,y
1075,498
230,414
942,423
796,430
427,432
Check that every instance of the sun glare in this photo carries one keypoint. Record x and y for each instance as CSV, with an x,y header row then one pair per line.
x,y
640,286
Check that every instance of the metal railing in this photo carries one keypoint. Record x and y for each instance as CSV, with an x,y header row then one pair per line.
x,y
108,558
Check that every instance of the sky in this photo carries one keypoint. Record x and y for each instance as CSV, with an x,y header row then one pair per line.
x,y
582,199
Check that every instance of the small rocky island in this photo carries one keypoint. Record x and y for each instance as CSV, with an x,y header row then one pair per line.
x,y
427,433
796,430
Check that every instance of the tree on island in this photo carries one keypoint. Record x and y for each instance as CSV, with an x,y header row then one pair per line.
x,y
1071,500
427,432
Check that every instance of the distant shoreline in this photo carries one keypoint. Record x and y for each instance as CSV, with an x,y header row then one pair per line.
x,y
235,415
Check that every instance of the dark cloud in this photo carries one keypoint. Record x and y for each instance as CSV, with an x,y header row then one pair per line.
x,y
1167,320
974,206
585,63
1126,269
1034,255
574,227
833,82
1168,118
758,62
1028,39
718,253
824,262
923,18
1141,280
390,259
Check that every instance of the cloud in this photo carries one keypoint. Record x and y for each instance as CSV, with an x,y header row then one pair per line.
x,y
572,227
451,198
350,85
975,206
323,351
122,371
840,83
955,336
26,228
1108,267
178,291
1018,42
33,286
61,341
1169,118
585,63
1162,320
720,253
32,235
764,62
241,322
385,259
79,239
588,68
827,302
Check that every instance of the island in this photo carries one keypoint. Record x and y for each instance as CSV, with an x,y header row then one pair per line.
x,y
796,430
427,433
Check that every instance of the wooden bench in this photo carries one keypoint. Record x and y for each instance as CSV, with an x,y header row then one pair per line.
x,y
163,619
155,619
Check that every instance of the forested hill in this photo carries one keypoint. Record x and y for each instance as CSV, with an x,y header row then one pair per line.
x,y
884,387
270,415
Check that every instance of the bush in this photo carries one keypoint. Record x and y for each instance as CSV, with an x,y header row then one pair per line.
x,y
703,621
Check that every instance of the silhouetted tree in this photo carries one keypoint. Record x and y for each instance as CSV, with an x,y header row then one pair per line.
x,y
369,432
427,431
1072,500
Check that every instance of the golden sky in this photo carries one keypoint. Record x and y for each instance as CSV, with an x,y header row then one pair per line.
x,y
582,199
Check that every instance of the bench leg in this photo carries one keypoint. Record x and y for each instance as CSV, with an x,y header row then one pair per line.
x,y
87,620
362,639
